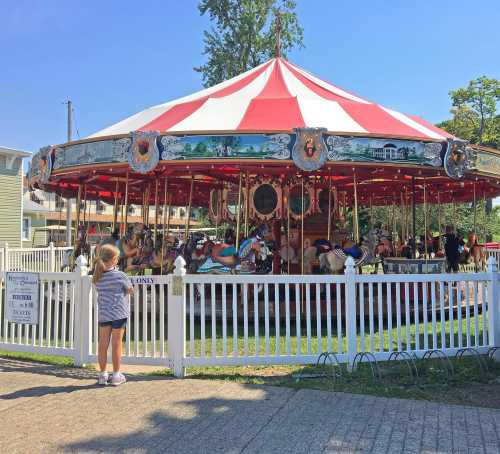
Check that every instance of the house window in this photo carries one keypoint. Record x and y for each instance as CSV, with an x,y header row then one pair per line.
x,y
26,229
60,203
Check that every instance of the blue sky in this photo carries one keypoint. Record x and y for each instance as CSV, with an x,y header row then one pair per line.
x,y
114,58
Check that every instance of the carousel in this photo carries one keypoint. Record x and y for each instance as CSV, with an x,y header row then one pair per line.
x,y
280,158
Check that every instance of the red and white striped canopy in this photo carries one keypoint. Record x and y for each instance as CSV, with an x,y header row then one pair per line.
x,y
275,96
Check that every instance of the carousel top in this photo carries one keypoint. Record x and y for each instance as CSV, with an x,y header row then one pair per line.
x,y
275,96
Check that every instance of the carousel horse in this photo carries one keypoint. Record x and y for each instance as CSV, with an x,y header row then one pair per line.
x,y
312,253
475,253
334,261
82,247
254,256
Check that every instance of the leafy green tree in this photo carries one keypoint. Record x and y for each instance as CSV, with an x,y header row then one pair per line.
x,y
244,35
474,112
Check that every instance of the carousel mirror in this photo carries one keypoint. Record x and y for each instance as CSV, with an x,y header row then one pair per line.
x,y
323,201
265,201
215,205
230,203
295,196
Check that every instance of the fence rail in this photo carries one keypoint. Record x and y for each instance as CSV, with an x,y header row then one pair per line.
x,y
181,320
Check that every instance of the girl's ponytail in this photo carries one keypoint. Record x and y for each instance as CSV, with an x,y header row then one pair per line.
x,y
98,270
106,254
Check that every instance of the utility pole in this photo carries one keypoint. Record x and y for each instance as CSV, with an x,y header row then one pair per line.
x,y
69,201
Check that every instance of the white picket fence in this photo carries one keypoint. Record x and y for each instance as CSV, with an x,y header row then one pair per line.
x,y
180,320
38,260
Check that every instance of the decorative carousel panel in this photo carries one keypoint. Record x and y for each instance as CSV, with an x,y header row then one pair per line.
x,y
364,149
144,154
487,162
103,151
300,207
241,146
459,158
265,200
230,203
215,206
41,166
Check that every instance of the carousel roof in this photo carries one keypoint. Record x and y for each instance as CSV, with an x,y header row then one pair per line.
x,y
275,96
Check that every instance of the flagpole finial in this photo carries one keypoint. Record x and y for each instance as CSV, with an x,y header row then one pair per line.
x,y
278,33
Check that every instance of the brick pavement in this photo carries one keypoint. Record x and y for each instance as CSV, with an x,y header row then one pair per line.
x,y
50,409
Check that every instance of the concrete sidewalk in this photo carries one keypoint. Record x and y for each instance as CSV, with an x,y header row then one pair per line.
x,y
50,409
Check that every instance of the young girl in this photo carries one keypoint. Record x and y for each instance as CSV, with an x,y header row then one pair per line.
x,y
112,287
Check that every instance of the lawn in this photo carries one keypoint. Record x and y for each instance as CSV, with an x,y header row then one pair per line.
x,y
469,384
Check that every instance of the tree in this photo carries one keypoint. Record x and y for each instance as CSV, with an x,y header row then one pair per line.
x,y
475,112
244,35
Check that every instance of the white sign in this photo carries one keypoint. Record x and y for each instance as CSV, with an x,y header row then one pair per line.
x,y
22,297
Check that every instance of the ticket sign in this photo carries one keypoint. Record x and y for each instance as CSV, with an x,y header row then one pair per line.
x,y
22,297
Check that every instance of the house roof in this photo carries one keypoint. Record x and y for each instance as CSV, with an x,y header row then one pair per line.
x,y
14,152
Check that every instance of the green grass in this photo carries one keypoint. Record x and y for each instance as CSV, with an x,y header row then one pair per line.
x,y
64,361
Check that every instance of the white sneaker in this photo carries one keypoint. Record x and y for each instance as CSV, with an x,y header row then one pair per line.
x,y
118,379
103,378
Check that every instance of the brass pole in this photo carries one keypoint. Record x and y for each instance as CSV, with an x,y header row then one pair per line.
x,y
247,202
84,204
155,230
288,227
115,208
188,211
164,241
238,213
356,225
302,228
126,205
439,220
78,207
425,222
475,210
330,207
168,214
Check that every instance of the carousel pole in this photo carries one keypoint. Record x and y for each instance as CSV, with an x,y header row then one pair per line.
x,y
356,223
78,207
168,214
188,211
115,207
238,214
84,205
164,215
288,229
414,217
425,223
126,206
475,209
330,206
155,230
439,220
302,227
247,202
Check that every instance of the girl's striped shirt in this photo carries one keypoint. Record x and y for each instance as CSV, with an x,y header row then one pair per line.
x,y
112,301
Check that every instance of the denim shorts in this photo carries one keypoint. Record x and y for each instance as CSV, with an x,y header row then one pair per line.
x,y
115,324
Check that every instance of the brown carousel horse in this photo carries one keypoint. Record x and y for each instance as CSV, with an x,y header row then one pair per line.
x,y
475,253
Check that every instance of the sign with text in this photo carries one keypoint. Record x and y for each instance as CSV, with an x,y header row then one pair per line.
x,y
22,297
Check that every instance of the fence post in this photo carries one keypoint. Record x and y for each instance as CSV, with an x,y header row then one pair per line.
x,y
82,312
494,304
6,257
350,304
176,310
52,258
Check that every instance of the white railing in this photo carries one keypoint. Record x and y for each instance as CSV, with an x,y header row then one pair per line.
x,y
55,333
493,253
181,320
38,260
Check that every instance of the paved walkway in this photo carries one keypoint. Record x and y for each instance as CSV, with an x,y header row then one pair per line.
x,y
50,409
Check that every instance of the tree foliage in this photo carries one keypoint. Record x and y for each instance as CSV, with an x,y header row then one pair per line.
x,y
474,111
243,35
